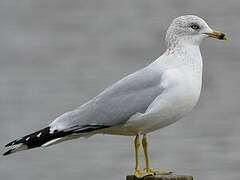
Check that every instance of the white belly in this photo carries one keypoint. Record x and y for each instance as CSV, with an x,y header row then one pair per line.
x,y
145,123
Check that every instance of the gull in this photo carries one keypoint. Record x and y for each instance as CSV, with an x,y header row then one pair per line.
x,y
144,101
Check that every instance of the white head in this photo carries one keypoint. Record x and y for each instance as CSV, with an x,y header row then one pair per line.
x,y
190,29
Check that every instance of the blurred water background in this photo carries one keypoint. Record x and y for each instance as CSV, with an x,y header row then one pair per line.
x,y
57,54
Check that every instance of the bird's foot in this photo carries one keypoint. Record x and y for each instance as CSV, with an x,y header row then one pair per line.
x,y
156,172
150,172
139,173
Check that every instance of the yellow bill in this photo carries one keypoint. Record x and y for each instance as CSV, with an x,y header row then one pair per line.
x,y
217,35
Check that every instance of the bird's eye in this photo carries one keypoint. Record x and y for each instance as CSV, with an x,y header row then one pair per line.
x,y
195,26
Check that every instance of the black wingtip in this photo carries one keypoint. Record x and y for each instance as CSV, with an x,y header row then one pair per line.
x,y
9,144
7,153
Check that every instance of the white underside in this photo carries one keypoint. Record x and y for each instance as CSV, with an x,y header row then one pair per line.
x,y
143,126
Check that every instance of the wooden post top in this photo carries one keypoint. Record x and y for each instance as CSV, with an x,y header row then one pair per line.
x,y
160,177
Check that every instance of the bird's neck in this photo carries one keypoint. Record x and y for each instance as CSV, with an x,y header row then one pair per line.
x,y
188,54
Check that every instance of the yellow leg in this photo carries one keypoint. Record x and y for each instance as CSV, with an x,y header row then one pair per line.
x,y
138,171
149,170
147,159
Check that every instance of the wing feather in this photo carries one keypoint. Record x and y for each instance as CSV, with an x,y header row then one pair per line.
x,y
116,104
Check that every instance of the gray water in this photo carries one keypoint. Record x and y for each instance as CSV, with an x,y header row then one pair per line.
x,y
57,54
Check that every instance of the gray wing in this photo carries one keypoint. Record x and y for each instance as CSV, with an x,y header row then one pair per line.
x,y
116,104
